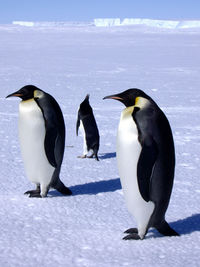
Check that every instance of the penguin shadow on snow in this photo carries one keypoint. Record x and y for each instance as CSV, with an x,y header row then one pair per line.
x,y
92,188
188,225
107,155
183,227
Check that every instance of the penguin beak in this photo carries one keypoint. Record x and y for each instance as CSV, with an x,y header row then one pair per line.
x,y
15,94
122,97
116,97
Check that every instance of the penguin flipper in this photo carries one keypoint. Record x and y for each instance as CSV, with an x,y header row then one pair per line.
x,y
49,145
51,125
145,167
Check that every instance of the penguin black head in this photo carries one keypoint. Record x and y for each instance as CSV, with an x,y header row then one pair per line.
x,y
128,97
26,92
85,107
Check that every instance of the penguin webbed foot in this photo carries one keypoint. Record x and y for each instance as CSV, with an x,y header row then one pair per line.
x,y
35,195
88,157
32,192
133,236
131,231
82,157
91,157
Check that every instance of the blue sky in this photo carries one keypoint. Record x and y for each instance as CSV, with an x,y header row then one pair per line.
x,y
87,10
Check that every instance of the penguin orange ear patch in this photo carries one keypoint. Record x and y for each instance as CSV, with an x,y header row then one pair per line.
x,y
136,100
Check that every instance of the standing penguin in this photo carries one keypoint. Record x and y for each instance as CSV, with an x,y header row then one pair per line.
x,y
42,139
146,162
87,123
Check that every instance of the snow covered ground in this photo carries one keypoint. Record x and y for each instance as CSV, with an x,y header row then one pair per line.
x,y
86,229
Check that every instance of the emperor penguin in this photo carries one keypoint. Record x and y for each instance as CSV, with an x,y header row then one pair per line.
x,y
146,162
87,123
42,139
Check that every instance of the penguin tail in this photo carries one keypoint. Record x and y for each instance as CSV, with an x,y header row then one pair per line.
x,y
165,229
60,187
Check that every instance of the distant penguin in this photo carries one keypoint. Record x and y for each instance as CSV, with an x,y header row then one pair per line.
x,y
146,162
42,139
88,126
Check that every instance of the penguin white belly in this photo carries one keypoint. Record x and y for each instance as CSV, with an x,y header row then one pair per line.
x,y
31,136
82,130
128,152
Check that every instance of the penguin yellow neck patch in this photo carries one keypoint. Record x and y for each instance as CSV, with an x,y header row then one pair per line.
x,y
38,94
141,102
127,112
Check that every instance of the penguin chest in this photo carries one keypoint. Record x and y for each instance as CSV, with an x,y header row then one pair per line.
x,y
82,130
128,153
32,135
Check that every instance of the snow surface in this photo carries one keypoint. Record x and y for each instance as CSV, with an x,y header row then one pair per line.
x,y
86,229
